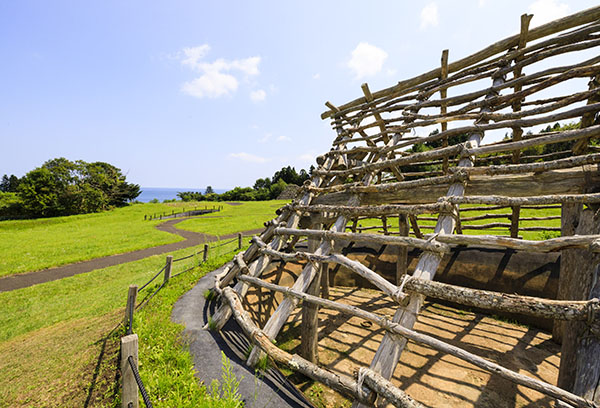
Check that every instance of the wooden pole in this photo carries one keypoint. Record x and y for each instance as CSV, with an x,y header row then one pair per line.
x,y
578,269
129,347
168,267
205,253
239,240
443,107
310,314
131,298
587,377
402,261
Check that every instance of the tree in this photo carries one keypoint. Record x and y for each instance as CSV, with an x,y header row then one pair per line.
x,y
209,190
63,187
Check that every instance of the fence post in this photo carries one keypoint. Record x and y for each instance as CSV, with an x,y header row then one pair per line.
x,y
145,217
239,240
205,255
131,298
168,268
129,347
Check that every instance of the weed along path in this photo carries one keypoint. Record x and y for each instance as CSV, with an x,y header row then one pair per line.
x,y
25,280
267,388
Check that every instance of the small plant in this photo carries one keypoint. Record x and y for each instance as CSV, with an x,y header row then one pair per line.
x,y
263,363
212,325
209,294
226,392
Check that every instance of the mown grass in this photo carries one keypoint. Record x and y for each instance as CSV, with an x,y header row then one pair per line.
x,y
525,212
30,245
244,216
53,341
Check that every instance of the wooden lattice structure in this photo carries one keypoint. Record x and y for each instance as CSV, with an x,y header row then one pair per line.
x,y
374,170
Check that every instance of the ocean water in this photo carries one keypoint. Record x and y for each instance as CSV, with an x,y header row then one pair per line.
x,y
163,193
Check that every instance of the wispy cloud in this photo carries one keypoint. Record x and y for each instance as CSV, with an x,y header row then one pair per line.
x,y
217,78
316,76
247,157
545,11
429,16
265,138
258,96
366,60
284,139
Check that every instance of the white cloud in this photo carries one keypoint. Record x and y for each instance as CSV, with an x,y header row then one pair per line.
x,y
307,157
211,85
482,3
429,16
366,60
316,76
247,157
217,78
258,95
545,11
284,139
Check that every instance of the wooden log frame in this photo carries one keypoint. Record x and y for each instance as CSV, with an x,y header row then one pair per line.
x,y
398,329
387,355
577,19
259,264
374,210
285,308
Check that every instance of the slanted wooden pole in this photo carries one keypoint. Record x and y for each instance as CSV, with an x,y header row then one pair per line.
x,y
310,313
129,347
402,262
131,298
443,107
578,270
205,253
168,267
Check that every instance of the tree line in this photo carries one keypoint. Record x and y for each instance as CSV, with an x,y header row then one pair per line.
x,y
64,187
268,188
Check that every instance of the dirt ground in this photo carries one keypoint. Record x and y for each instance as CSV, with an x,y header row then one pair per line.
x,y
431,377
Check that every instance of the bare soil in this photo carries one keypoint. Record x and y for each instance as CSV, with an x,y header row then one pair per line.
x,y
432,378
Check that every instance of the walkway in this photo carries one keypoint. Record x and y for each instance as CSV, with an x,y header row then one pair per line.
x,y
269,389
46,275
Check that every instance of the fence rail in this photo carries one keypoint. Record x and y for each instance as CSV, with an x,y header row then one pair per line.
x,y
184,213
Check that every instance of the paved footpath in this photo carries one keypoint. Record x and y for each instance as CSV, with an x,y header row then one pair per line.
x,y
270,389
191,239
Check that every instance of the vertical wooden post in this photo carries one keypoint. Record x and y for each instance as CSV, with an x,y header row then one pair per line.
x,y
384,220
145,216
129,347
239,240
205,254
168,267
587,377
402,262
570,214
577,272
443,107
131,298
310,313
325,281
354,224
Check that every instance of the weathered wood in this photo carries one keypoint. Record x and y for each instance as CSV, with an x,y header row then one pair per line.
x,y
583,17
130,307
398,329
371,238
444,106
168,267
402,261
129,394
310,315
205,253
415,226
587,377
549,245
375,210
578,269
341,383
387,390
531,200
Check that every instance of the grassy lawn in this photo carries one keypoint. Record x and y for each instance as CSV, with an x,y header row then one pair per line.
x,y
30,245
530,235
58,347
233,218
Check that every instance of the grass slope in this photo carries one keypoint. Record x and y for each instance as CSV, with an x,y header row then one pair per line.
x,y
30,245
243,216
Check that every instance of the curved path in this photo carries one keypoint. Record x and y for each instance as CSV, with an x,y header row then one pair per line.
x,y
267,389
46,275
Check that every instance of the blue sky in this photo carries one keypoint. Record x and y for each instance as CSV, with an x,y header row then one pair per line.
x,y
197,93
